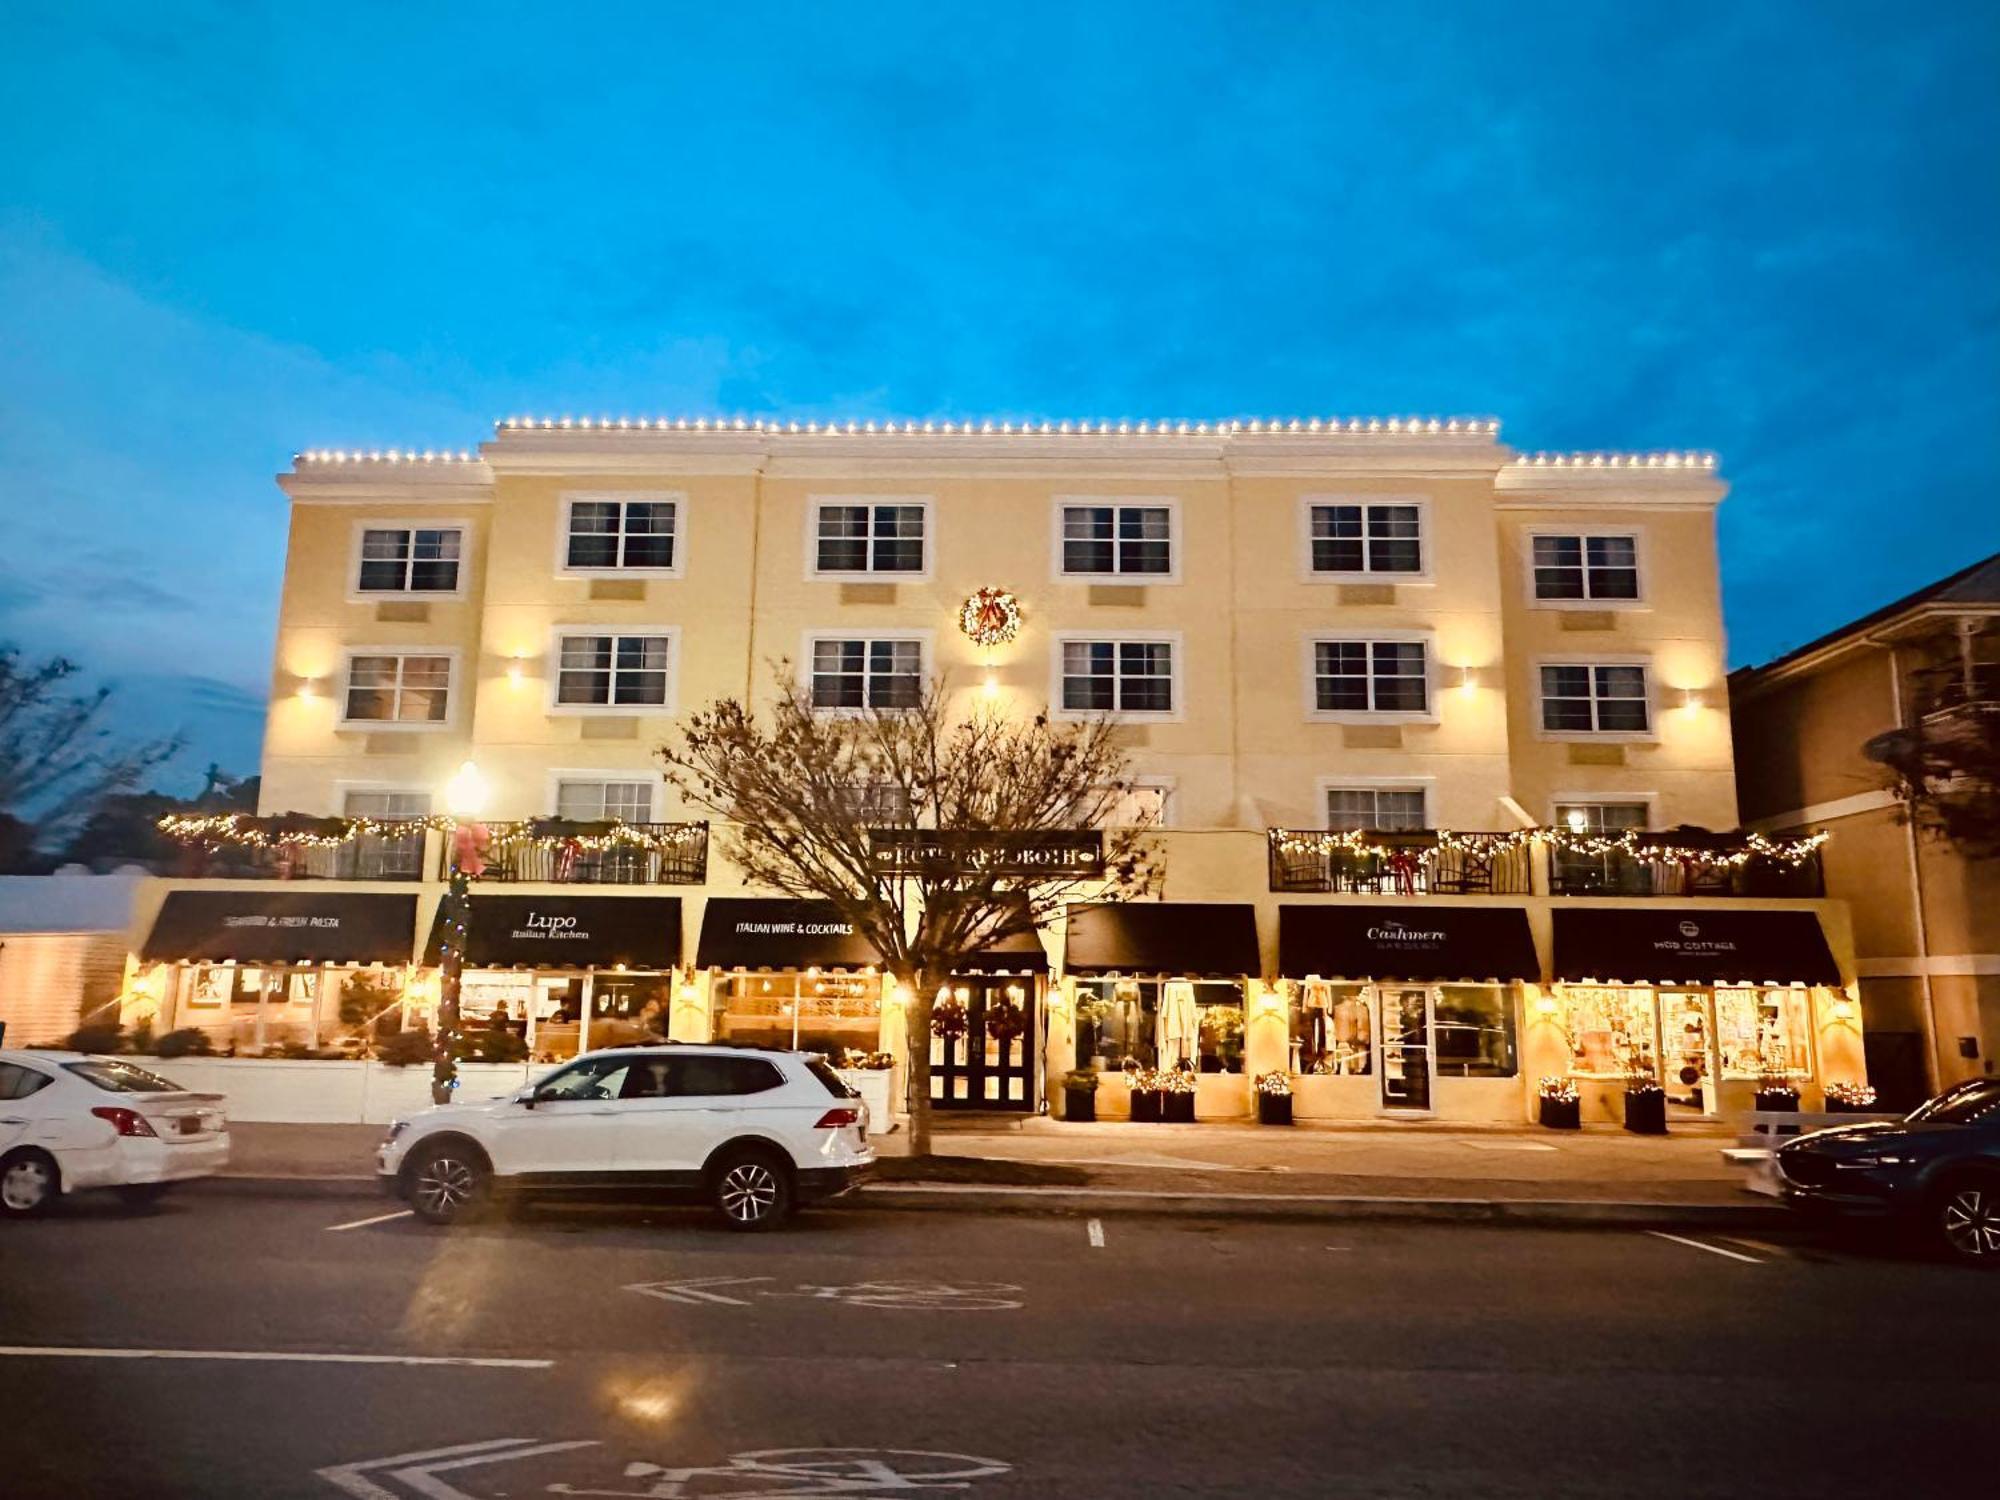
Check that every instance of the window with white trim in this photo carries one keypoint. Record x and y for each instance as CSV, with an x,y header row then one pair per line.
x,y
853,538
587,800
612,670
1351,809
621,535
1127,677
1585,698
1380,677
1116,540
1144,803
409,560
383,805
1367,539
876,804
398,688
867,673
1586,568
1602,817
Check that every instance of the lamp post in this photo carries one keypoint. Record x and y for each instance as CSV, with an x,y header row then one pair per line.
x,y
464,799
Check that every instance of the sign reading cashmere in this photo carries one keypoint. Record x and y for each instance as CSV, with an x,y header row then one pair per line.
x,y
574,932
1416,943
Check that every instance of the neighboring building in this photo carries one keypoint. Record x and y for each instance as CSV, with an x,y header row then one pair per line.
x,y
1306,628
1926,916
63,942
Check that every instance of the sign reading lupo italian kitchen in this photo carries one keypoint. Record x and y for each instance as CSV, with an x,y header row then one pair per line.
x,y
574,932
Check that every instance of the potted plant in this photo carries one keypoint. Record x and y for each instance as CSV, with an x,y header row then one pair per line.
x,y
1146,1093
1558,1105
1776,1091
1091,1011
1645,1105
1274,1099
1177,1097
1849,1098
1080,1094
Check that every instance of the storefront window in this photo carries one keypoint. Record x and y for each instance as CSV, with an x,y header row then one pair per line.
x,y
828,1012
1764,1032
1474,1031
1158,1022
1332,1031
1613,1031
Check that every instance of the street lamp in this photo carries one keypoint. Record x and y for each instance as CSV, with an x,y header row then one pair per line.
x,y
464,799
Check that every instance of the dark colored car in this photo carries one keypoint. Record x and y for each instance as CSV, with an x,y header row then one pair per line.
x,y
1938,1167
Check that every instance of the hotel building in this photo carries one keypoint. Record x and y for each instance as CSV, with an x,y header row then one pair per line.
x,y
1302,628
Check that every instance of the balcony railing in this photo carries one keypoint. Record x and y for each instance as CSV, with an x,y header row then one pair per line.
x,y
397,855
1683,871
596,853
1401,864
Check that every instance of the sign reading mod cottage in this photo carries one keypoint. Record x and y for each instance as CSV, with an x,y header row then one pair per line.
x,y
574,932
757,932
1065,854
1416,943
280,927
1681,945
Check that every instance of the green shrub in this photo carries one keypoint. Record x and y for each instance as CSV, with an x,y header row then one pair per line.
x,y
142,1036
100,1038
495,1047
189,1041
404,1049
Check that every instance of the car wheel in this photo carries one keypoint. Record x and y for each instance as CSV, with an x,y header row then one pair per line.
x,y
29,1183
449,1183
142,1194
1966,1219
752,1190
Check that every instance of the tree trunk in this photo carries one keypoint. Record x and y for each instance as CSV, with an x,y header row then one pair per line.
x,y
917,1080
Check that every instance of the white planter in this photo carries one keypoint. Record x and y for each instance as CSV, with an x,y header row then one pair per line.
x,y
874,1087
277,1091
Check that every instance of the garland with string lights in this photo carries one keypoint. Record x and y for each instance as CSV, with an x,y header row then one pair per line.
x,y
454,918
299,830
1791,853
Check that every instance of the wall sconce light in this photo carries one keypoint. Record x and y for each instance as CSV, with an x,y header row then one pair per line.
x,y
308,687
991,687
516,669
1468,681
1690,700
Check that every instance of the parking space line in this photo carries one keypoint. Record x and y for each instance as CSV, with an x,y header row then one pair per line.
x,y
1661,1234
401,1213
271,1356
1097,1234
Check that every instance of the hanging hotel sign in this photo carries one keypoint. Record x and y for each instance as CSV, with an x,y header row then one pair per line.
x,y
1065,854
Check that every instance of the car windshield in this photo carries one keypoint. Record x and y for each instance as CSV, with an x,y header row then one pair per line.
x,y
1969,1102
121,1077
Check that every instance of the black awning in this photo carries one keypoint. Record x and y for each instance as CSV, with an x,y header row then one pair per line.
x,y
1687,945
571,932
1419,943
271,927
1163,937
1021,953
757,932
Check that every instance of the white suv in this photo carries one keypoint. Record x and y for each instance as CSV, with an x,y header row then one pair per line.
x,y
750,1130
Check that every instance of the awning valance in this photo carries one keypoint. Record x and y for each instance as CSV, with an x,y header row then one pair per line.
x,y
276,927
1419,943
758,932
1688,945
570,932
1163,937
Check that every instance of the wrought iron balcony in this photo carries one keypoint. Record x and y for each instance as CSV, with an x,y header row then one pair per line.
x,y
1403,863
277,849
1687,862
559,852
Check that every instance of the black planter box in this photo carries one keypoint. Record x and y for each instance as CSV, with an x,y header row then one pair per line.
x,y
1779,1102
1561,1114
1842,1107
1079,1104
1274,1109
1177,1109
1646,1114
1146,1106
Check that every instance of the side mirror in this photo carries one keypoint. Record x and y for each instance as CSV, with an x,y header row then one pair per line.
x,y
526,1098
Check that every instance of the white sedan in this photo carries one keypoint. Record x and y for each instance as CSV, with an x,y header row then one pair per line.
x,y
71,1121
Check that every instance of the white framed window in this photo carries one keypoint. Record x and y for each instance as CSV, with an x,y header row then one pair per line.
x,y
622,533
1350,807
850,674
614,671
1126,674
1365,537
1601,815
409,557
399,688
1596,698
598,799
1370,678
1146,802
876,804
384,804
886,535
1593,568
1126,540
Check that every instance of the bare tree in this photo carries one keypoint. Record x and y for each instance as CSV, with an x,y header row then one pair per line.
x,y
58,760
798,792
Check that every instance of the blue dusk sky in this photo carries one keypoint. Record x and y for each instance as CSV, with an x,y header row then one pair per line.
x,y
231,231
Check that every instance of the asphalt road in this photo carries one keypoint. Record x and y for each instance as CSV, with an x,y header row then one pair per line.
x,y
635,1353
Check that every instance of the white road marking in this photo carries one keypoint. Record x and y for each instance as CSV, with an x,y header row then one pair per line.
x,y
1097,1234
1660,1234
270,1356
696,1289
1506,1145
1737,1239
416,1469
401,1213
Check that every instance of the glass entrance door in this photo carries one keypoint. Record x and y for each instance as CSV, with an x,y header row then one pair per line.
x,y
1406,1047
1686,1044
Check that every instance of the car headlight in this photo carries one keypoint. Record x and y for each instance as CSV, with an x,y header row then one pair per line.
x,y
1878,1159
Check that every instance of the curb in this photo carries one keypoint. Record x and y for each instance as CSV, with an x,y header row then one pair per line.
x,y
979,1198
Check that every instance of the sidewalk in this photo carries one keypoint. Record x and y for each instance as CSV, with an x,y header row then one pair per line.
x,y
1594,1175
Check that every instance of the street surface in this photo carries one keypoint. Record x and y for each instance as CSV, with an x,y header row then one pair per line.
x,y
877,1353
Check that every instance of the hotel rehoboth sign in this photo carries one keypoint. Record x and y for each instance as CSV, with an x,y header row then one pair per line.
x,y
1066,854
